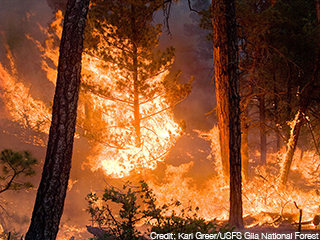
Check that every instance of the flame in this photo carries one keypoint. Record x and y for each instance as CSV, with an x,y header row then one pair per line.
x,y
50,48
211,199
66,232
159,132
108,117
29,113
263,203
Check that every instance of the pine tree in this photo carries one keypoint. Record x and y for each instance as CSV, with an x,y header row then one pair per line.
x,y
52,190
135,122
226,65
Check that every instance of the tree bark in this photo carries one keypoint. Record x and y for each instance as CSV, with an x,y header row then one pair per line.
x,y
245,101
51,193
220,57
277,119
225,48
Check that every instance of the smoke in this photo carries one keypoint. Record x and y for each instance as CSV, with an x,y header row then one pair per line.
x,y
19,18
197,109
190,42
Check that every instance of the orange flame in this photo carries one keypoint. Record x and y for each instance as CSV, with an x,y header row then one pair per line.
x,y
23,108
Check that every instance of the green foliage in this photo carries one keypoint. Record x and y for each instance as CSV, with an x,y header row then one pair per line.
x,y
129,213
14,166
138,205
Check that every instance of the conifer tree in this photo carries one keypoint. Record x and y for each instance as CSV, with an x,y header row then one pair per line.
x,y
49,203
135,122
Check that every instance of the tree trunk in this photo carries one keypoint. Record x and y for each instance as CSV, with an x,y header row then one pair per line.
x,y
277,119
51,193
304,101
291,146
136,103
305,96
226,67
220,57
317,3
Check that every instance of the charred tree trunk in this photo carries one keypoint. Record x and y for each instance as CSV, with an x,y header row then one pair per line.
x,y
275,104
226,67
317,3
305,96
288,109
51,193
136,103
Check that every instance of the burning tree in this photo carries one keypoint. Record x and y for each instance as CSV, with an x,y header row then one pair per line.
x,y
128,95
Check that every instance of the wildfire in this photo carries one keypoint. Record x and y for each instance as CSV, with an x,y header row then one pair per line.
x,y
178,187
106,118
159,132
50,48
29,113
106,113
71,232
261,198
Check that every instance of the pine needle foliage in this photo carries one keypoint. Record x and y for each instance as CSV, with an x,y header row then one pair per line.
x,y
14,166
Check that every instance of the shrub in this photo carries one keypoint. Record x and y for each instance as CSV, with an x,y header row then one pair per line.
x,y
138,205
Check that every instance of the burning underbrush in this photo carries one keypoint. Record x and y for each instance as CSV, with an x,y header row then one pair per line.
x,y
265,205
263,202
